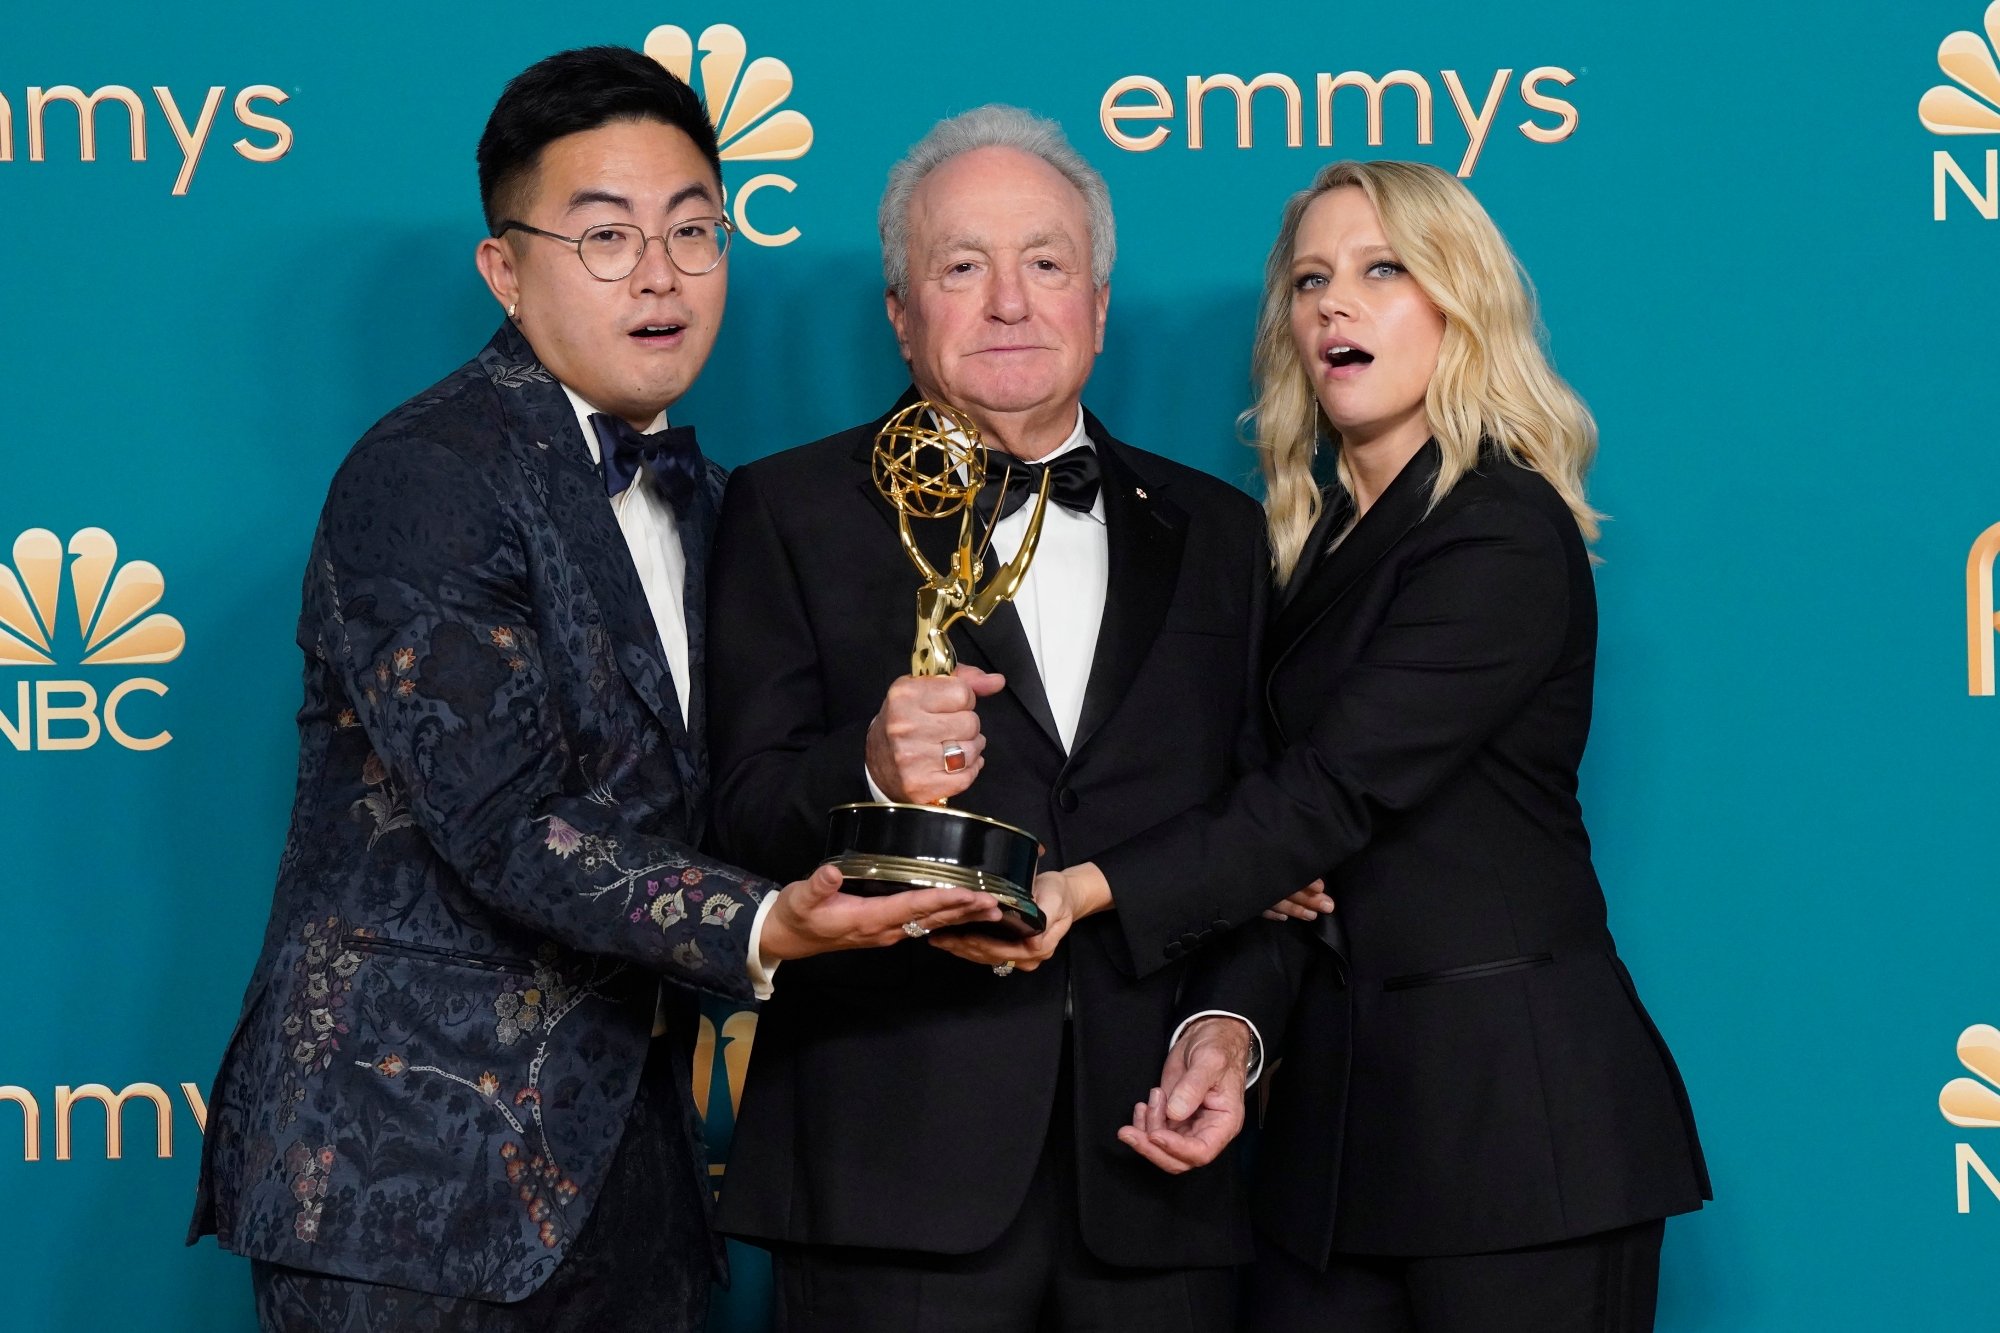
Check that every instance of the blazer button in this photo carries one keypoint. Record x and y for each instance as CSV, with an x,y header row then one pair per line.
x,y
1066,798
1174,950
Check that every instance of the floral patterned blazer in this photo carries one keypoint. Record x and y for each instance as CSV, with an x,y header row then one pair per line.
x,y
490,866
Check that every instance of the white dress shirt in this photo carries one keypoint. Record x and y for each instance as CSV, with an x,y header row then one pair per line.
x,y
654,538
1061,600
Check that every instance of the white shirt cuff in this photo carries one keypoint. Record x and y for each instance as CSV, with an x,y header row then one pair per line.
x,y
763,971
873,789
1256,1040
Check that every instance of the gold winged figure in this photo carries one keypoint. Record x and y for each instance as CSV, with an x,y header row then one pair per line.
x,y
930,463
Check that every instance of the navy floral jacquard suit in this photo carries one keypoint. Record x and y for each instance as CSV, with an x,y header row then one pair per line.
x,y
489,869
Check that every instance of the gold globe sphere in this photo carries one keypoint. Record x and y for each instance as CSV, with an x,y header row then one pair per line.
x,y
929,461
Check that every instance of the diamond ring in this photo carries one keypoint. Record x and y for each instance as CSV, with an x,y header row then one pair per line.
x,y
915,931
1003,969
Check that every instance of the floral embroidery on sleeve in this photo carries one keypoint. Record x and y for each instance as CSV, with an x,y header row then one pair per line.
x,y
669,895
562,840
719,910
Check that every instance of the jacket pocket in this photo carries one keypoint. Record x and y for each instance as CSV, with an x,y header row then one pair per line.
x,y
411,949
1472,972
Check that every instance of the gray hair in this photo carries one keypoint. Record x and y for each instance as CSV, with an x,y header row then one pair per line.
x,y
991,126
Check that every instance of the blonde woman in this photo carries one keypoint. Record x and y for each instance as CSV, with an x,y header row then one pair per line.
x,y
1476,1127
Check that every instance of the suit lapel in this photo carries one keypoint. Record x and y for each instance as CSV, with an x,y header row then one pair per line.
x,y
1145,534
1329,578
1004,645
1000,644
697,533
1335,508
542,432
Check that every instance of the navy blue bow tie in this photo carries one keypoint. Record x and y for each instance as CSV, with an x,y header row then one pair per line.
x,y
1073,481
670,457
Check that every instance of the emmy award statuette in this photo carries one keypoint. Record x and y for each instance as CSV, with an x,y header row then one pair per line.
x,y
929,464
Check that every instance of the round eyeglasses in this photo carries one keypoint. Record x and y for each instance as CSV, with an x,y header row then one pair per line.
x,y
611,251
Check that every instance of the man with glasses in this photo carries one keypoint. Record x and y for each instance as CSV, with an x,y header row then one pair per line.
x,y
458,1096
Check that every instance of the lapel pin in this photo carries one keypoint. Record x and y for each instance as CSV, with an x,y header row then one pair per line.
x,y
1142,492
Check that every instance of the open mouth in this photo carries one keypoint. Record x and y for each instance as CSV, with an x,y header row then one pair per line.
x,y
658,332
1341,356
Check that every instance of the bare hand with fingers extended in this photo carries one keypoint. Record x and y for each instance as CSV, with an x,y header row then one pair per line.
x,y
813,916
1065,897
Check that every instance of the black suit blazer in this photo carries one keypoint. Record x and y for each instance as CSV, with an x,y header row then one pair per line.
x,y
1469,1069
899,1097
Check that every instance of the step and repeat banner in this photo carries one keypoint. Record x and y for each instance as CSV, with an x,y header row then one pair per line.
x,y
1767,243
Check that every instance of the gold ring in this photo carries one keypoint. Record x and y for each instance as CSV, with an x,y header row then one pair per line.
x,y
954,757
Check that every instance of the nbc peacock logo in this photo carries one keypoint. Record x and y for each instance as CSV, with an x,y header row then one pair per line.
x,y
1969,104
743,102
116,626
1974,1103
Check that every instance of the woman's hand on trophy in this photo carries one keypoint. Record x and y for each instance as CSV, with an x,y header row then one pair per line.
x,y
1065,896
1305,905
925,745
812,916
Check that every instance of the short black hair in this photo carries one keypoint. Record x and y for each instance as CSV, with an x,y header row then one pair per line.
x,y
574,91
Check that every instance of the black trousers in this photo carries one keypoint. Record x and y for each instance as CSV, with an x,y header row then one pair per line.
x,y
1039,1277
641,1263
1605,1283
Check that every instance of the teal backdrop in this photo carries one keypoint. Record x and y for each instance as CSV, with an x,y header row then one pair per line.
x,y
1776,295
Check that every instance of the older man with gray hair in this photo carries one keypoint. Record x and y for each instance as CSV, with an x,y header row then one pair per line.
x,y
929,1141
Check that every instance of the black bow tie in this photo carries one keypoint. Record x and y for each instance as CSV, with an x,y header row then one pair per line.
x,y
670,457
1073,481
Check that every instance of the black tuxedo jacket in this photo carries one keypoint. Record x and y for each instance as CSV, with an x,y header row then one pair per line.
x,y
899,1098
1466,1065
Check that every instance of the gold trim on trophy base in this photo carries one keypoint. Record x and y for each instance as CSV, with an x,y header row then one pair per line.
x,y
911,872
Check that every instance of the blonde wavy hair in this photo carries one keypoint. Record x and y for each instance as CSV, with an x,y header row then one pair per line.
x,y
1493,381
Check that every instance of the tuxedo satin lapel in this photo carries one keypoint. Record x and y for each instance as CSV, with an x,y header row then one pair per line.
x,y
1000,644
1145,534
697,532
1334,511
1004,645
1401,507
544,437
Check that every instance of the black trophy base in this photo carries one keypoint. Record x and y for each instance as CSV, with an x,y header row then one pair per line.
x,y
882,848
